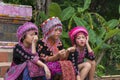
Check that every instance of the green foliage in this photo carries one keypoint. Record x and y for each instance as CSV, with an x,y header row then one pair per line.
x,y
100,70
115,49
111,33
80,21
67,13
85,7
112,23
54,10
86,4
39,17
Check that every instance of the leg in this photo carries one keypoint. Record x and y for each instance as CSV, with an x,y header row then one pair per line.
x,y
92,70
84,69
78,77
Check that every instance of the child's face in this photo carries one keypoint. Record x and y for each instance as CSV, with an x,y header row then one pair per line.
x,y
56,33
80,39
29,36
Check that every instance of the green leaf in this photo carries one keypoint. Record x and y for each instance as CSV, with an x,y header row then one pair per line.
x,y
66,45
87,4
90,20
112,23
85,7
105,46
67,13
81,22
98,40
80,10
65,34
100,18
101,67
54,10
70,23
43,16
92,36
102,32
111,33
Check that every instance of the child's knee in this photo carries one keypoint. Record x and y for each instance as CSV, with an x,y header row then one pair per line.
x,y
93,63
87,65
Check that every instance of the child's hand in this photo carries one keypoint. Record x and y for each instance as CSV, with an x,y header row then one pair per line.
x,y
61,53
45,58
35,39
87,40
71,49
47,72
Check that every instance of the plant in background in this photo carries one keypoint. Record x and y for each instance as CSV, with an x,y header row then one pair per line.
x,y
100,70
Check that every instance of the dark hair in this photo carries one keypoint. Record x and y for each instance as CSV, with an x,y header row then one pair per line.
x,y
22,39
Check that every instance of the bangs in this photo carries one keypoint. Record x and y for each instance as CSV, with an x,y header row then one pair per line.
x,y
79,33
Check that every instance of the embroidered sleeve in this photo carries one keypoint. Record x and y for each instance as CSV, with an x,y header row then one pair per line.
x,y
42,49
20,56
89,55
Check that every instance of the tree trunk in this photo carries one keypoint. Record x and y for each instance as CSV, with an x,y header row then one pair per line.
x,y
42,5
103,53
47,5
100,58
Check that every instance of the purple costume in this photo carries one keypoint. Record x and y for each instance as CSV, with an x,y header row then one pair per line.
x,y
76,57
44,49
24,65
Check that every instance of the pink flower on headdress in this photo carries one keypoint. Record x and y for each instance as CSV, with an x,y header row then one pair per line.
x,y
73,32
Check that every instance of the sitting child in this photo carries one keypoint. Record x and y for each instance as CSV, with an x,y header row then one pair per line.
x,y
81,50
26,63
51,49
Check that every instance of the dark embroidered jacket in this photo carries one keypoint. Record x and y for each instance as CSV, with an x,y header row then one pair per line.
x,y
43,50
20,55
76,58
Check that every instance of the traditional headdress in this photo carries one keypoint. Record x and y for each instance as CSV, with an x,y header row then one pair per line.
x,y
73,32
49,24
21,31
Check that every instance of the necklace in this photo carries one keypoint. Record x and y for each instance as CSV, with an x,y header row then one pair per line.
x,y
52,47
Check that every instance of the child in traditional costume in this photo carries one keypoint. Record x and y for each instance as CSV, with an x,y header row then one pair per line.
x,y
27,65
51,49
81,50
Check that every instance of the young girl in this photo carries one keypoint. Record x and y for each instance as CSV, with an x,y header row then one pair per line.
x,y
51,49
26,63
81,50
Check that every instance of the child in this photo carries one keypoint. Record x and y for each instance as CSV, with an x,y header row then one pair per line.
x,y
26,63
51,49
81,50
